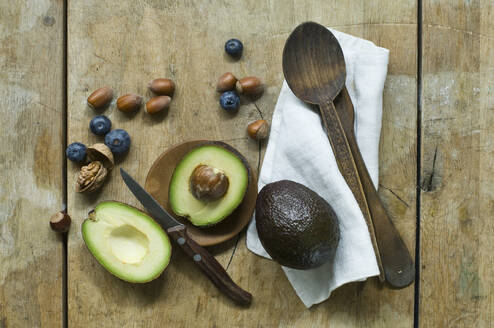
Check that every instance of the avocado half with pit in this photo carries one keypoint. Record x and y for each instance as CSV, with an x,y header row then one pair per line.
x,y
208,183
126,242
296,226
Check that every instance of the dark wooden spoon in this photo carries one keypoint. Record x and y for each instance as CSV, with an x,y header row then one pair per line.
x,y
314,67
399,269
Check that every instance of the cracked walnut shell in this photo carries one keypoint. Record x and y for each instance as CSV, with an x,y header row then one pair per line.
x,y
101,152
91,177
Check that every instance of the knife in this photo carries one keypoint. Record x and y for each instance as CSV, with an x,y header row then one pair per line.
x,y
178,232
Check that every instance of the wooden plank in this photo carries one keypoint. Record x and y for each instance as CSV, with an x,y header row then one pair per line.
x,y
31,89
125,44
457,165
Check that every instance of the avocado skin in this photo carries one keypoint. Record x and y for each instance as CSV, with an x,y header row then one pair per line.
x,y
296,226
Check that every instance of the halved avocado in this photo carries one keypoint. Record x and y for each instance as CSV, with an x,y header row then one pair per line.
x,y
126,242
223,160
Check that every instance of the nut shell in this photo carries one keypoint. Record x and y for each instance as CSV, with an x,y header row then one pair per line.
x,y
101,152
226,82
162,87
91,177
158,104
250,86
100,97
129,102
258,130
208,183
60,222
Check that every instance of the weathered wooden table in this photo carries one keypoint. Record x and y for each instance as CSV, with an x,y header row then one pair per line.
x,y
436,155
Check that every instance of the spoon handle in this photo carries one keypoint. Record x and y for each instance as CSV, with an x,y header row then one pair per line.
x,y
346,164
399,269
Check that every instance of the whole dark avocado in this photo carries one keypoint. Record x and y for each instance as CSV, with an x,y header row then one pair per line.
x,y
296,226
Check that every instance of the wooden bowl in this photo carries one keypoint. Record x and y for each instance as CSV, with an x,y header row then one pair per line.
x,y
158,182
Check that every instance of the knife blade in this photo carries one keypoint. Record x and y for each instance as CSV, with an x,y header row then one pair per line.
x,y
178,232
152,206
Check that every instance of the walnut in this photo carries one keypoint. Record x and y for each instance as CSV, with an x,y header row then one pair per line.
x,y
91,177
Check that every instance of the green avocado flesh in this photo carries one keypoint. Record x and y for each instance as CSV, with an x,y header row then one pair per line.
x,y
126,242
202,213
296,226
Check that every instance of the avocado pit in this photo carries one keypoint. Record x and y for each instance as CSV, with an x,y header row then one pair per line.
x,y
208,183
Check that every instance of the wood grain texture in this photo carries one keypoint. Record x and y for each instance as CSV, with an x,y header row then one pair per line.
x,y
125,44
31,89
457,273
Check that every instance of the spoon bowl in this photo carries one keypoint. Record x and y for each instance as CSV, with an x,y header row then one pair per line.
x,y
313,63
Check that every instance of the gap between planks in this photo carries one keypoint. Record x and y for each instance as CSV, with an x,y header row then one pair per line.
x,y
65,299
416,314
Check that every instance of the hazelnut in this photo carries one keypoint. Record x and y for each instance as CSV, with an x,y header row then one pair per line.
x,y
258,130
129,102
250,86
157,104
100,98
208,183
162,87
60,222
226,82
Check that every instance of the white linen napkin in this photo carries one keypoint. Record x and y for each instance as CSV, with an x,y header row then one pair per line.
x,y
299,150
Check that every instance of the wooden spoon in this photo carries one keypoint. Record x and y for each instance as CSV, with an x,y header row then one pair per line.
x,y
399,269
314,67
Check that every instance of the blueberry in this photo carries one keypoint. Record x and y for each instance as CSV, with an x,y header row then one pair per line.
x,y
76,152
118,141
234,47
229,100
100,125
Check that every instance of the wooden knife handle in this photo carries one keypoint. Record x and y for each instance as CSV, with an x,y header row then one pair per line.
x,y
399,269
209,266
346,164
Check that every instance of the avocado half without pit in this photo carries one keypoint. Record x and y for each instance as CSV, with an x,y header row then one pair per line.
x,y
126,242
296,226
208,184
